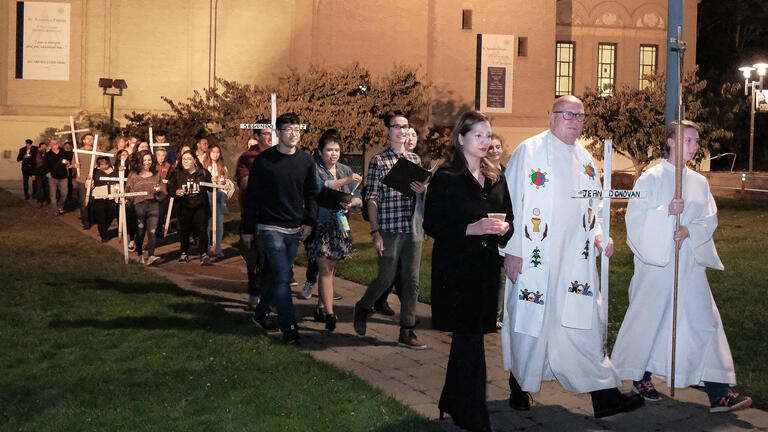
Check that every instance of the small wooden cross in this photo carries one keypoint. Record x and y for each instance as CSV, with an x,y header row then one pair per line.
x,y
74,132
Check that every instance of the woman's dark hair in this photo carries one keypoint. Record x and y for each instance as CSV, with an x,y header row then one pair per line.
x,y
328,136
117,159
455,160
138,162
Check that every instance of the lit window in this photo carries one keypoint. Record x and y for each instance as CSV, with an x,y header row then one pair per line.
x,y
648,55
563,69
606,67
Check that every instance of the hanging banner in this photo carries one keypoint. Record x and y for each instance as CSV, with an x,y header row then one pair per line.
x,y
42,40
761,100
493,73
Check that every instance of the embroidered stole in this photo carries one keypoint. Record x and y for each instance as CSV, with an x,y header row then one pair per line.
x,y
578,278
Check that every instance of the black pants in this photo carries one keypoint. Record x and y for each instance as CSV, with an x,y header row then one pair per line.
x,y
193,220
464,392
312,270
130,220
42,189
104,212
26,174
257,269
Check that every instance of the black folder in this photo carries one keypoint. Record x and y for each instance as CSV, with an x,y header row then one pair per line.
x,y
330,198
403,174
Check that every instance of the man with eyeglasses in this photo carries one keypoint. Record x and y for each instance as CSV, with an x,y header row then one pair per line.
x,y
391,217
261,141
551,324
280,207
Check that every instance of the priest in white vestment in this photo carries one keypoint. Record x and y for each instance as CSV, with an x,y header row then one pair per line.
x,y
551,327
644,344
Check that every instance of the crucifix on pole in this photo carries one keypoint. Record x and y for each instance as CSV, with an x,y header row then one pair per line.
x,y
74,133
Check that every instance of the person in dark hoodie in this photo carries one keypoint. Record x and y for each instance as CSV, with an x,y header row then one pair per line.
x,y
193,207
27,158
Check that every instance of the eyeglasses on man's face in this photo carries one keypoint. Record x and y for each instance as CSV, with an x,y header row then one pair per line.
x,y
294,130
570,115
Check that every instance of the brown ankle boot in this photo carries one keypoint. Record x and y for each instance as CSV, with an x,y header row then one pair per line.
x,y
408,339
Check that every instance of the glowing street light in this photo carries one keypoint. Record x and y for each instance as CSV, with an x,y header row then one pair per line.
x,y
761,69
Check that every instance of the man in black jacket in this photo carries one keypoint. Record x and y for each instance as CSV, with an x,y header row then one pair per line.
x,y
57,163
280,207
27,158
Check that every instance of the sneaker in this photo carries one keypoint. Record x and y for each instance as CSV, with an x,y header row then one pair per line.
x,y
152,259
131,246
184,258
647,390
337,296
265,321
306,291
291,335
408,339
730,402
219,255
359,318
205,260
142,260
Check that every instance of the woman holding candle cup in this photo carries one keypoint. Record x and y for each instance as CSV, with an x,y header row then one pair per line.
x,y
469,214
216,159
145,178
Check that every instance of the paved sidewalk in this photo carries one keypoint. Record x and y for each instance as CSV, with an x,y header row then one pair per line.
x,y
416,377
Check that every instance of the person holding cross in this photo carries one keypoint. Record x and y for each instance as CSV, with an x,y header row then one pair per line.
x,y
145,178
643,345
551,327
194,209
82,175
105,210
280,207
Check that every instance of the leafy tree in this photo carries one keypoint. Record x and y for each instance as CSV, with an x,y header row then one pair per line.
x,y
634,120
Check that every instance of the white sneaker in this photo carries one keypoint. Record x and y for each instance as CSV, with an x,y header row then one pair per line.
x,y
131,246
152,259
306,291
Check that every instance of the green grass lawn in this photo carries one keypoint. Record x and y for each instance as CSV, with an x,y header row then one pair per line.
x,y
90,344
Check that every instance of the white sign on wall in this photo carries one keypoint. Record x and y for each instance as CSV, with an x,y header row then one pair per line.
x,y
42,40
493,85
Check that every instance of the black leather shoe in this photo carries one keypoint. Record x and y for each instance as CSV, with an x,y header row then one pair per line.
x,y
291,335
619,404
518,399
383,308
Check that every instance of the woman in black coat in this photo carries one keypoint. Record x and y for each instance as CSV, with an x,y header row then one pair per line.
x,y
465,265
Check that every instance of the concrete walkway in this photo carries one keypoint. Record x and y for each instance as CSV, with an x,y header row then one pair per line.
x,y
415,378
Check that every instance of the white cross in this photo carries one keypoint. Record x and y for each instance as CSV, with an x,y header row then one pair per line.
x,y
93,154
74,132
272,126
214,175
122,223
153,144
606,194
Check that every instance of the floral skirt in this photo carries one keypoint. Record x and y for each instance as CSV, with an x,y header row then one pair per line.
x,y
329,243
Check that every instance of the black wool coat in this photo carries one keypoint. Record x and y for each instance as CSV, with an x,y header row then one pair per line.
x,y
466,270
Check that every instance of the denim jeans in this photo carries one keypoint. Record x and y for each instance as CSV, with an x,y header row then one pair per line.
x,y
147,214
221,210
279,251
398,247
61,186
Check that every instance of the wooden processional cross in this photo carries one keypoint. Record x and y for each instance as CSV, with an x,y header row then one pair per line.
x,y
213,185
122,226
74,133
95,152
606,194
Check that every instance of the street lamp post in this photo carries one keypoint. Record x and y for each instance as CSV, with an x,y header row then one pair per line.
x,y
106,84
754,86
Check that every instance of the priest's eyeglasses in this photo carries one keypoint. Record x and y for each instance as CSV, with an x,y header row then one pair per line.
x,y
568,115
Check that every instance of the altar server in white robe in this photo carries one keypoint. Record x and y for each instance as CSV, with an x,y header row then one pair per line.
x,y
551,327
644,344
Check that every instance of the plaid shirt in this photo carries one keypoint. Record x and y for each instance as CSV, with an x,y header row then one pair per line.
x,y
395,210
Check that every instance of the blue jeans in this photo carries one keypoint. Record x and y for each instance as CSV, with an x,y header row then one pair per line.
x,y
147,215
279,252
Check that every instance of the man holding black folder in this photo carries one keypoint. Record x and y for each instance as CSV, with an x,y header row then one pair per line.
x,y
390,212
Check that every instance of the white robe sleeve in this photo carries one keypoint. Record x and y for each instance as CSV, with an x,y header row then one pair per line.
x,y
514,175
702,227
649,226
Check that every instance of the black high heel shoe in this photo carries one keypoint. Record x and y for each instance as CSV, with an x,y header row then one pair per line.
x,y
330,322
319,314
